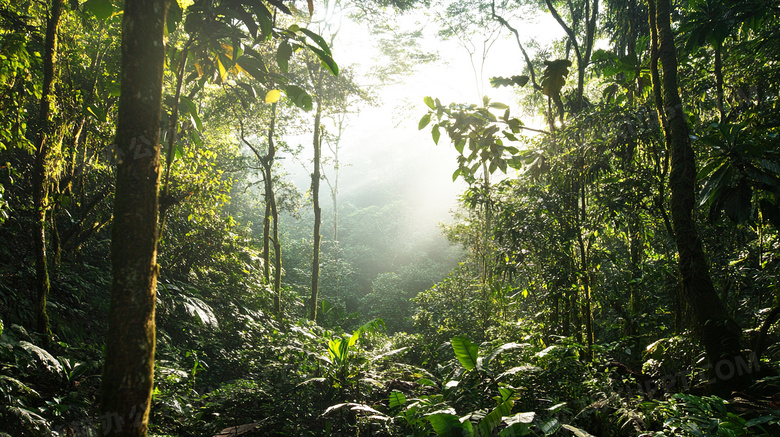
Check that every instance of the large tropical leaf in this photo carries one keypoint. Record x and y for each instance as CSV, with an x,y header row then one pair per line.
x,y
449,425
466,352
486,426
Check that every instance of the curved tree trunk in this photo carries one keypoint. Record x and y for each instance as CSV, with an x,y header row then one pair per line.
x,y
129,367
45,136
718,332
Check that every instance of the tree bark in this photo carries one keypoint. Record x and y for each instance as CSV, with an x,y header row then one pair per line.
x,y
128,374
718,332
272,214
44,138
719,82
315,194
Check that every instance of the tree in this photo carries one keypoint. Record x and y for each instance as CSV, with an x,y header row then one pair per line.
x,y
315,195
45,142
129,364
719,333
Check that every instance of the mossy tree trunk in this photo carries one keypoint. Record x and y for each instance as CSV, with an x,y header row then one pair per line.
x,y
718,332
44,140
128,374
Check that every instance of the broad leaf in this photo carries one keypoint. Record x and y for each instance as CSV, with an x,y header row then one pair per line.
x,y
396,399
466,352
578,432
448,425
283,54
273,96
327,60
435,134
102,9
317,39
424,121
486,426
299,97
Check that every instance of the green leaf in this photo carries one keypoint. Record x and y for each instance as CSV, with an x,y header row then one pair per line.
x,y
429,101
247,19
486,426
266,25
466,352
254,66
424,121
299,97
455,175
396,399
578,432
498,105
195,137
317,39
759,420
178,151
436,134
460,145
174,16
279,5
327,60
192,109
448,425
97,113
101,9
283,54
503,348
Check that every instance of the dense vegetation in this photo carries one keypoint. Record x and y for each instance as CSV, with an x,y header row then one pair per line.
x,y
612,269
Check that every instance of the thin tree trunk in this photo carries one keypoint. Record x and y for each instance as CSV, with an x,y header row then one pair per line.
x,y
128,374
267,229
173,128
44,140
277,260
272,214
315,194
719,333
719,82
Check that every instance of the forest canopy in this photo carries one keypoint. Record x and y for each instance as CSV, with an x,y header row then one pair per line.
x,y
219,218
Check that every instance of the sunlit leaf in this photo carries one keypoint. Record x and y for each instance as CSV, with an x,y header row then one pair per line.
x,y
465,351
424,121
273,96
396,399
317,39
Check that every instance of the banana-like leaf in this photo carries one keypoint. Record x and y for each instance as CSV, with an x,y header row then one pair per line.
x,y
466,352
449,425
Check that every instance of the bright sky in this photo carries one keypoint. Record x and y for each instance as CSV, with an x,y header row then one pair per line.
x,y
383,144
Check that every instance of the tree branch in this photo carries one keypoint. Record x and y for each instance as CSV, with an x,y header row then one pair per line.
x,y
519,44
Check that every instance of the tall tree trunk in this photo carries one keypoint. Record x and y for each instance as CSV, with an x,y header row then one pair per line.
x,y
315,195
44,138
584,274
719,82
267,163
272,214
277,260
718,332
173,128
128,374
